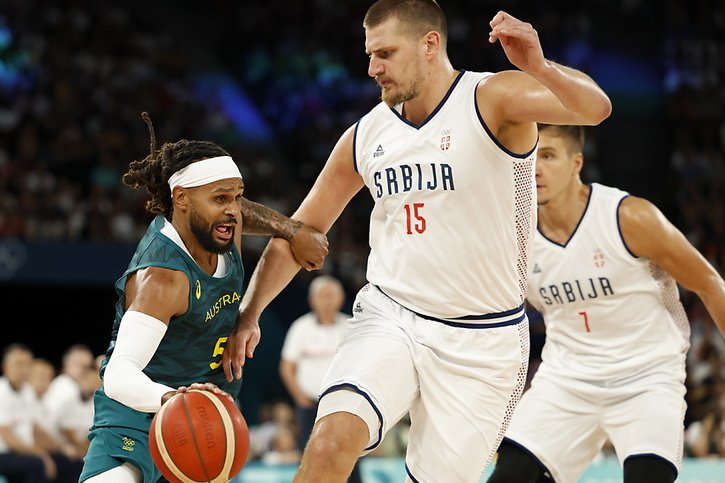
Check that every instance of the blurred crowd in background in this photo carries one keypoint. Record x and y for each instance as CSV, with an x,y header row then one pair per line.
x,y
277,86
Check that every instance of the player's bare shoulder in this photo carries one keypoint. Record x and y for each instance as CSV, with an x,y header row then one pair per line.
x,y
500,86
164,289
502,100
638,212
642,224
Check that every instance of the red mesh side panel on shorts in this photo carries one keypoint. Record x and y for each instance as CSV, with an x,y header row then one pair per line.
x,y
518,390
670,297
524,199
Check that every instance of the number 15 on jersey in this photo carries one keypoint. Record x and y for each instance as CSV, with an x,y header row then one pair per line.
x,y
414,220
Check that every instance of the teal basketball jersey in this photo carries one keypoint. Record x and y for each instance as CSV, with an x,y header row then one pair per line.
x,y
191,350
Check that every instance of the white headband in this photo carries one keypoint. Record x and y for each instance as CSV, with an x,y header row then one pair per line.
x,y
204,172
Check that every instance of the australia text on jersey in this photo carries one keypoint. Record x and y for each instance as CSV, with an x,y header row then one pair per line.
x,y
418,177
226,299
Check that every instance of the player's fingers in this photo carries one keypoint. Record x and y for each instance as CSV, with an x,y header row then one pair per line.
x,y
498,18
251,345
227,364
237,364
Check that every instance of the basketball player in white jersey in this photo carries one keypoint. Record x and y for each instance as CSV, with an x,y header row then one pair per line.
x,y
604,270
440,330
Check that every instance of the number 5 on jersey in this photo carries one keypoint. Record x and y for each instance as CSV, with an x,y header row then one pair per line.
x,y
413,218
218,350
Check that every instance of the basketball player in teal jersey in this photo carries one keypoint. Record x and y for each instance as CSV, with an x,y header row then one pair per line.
x,y
604,272
178,299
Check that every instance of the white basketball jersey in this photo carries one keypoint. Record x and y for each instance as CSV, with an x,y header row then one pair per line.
x,y
454,210
609,315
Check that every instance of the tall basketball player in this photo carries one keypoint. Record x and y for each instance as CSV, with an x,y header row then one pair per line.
x,y
604,272
440,330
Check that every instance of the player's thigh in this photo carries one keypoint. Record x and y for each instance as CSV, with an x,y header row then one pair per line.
x,y
650,421
126,473
470,381
560,425
112,447
374,362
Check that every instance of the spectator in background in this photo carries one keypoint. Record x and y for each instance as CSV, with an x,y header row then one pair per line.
x,y
706,438
274,417
76,418
64,392
308,350
27,452
41,376
284,450
309,347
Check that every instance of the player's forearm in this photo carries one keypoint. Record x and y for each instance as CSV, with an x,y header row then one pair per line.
x,y
275,270
261,220
576,91
714,299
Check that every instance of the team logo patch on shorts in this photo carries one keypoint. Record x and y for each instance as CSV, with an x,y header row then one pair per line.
x,y
128,443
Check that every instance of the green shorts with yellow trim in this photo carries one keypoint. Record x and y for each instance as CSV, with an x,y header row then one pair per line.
x,y
113,446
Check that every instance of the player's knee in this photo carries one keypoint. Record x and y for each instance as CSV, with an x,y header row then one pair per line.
x,y
515,465
336,435
648,469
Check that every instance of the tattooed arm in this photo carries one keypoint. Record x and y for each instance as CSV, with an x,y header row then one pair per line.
x,y
261,220
308,245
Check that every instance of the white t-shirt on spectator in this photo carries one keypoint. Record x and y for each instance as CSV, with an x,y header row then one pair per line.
x,y
18,411
77,416
63,392
311,346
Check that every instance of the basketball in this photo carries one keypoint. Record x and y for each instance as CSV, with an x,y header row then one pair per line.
x,y
198,436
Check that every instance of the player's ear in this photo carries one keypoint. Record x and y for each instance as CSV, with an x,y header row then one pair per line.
x,y
432,42
180,198
578,163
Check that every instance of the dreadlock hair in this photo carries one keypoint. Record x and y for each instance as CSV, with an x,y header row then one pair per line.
x,y
154,171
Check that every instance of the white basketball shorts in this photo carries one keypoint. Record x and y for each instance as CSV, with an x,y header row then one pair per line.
x,y
565,423
459,384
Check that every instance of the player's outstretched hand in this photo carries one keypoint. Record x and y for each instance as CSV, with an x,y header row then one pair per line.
x,y
519,40
241,343
309,247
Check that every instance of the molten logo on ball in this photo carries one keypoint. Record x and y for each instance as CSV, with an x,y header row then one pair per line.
x,y
197,437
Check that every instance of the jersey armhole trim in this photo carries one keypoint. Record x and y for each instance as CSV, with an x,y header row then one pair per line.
x,y
619,228
354,148
493,138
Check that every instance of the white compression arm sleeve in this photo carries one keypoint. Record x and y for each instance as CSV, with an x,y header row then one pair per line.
x,y
139,335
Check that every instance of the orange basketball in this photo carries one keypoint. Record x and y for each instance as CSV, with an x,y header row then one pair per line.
x,y
198,436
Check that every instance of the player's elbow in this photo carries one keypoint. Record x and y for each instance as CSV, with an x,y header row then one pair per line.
x,y
600,110
113,381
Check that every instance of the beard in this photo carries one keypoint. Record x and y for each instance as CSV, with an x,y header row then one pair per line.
x,y
203,232
393,99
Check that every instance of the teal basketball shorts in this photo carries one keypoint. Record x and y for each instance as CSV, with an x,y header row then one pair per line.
x,y
113,446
